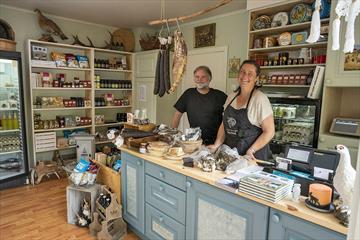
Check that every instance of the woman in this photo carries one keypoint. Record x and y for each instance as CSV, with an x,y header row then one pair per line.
x,y
248,122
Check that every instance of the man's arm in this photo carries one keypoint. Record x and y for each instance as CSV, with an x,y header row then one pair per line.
x,y
176,119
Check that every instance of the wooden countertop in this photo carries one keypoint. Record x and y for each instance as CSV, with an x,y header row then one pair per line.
x,y
323,219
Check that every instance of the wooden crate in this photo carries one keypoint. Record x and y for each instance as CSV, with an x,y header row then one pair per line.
x,y
146,128
110,178
135,142
75,196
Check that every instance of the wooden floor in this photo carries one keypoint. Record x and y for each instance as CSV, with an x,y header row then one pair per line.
x,y
39,213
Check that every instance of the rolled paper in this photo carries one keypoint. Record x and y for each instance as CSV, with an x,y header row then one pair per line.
x,y
315,24
320,194
335,34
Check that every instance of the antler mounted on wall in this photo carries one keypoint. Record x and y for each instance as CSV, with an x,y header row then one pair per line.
x,y
183,18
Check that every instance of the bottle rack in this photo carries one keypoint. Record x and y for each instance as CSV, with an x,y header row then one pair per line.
x,y
107,222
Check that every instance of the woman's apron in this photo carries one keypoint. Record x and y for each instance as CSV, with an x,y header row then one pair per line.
x,y
240,133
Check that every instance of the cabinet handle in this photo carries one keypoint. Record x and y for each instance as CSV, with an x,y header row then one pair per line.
x,y
275,218
328,81
161,219
322,139
161,174
161,188
138,163
188,184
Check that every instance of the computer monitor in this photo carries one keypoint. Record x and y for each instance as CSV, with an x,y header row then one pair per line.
x,y
301,157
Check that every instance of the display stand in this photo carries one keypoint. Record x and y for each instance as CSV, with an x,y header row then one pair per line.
x,y
112,224
75,196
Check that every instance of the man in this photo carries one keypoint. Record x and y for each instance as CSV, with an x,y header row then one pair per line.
x,y
203,105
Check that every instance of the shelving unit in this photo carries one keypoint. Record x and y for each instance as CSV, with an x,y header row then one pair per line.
x,y
89,93
288,90
341,94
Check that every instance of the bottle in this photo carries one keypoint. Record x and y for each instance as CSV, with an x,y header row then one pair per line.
x,y
15,122
10,122
296,191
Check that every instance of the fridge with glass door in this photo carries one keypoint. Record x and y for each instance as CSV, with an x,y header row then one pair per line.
x,y
297,122
13,152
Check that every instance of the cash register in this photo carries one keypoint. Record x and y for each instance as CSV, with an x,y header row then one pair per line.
x,y
307,165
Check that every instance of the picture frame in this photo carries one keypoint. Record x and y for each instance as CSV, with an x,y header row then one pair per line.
x,y
352,60
234,67
204,36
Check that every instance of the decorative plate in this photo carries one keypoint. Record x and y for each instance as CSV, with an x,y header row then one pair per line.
x,y
300,13
261,22
284,39
280,19
325,8
299,37
329,210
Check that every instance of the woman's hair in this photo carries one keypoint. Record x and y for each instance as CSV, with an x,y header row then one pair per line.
x,y
205,69
257,66
251,62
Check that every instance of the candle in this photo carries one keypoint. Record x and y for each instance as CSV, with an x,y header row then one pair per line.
x,y
320,194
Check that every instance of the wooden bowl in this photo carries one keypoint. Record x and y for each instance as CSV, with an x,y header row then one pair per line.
x,y
190,146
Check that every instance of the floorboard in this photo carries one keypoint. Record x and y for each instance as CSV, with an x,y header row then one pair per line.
x,y
39,213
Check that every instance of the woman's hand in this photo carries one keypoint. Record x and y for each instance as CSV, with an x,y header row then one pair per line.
x,y
213,147
250,152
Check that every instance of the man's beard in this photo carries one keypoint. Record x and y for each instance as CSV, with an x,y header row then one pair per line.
x,y
202,85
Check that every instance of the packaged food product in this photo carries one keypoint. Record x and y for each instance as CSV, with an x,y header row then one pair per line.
x,y
83,61
59,59
71,60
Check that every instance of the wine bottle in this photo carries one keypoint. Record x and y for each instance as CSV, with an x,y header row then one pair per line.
x,y
15,122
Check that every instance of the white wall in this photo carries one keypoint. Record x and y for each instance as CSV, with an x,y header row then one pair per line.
x,y
252,4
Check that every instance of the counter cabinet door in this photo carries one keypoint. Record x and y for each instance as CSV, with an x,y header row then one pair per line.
x,y
213,213
132,183
284,226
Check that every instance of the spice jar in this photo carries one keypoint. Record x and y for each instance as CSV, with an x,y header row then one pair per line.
x,y
142,148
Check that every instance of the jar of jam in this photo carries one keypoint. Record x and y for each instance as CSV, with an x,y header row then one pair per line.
x,y
142,148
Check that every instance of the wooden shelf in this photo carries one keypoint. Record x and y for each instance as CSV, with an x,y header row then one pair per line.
x,y
9,131
285,86
64,108
61,89
103,142
113,89
289,27
61,129
112,70
62,45
109,107
62,68
109,124
289,47
292,66
48,112
6,153
112,51
69,147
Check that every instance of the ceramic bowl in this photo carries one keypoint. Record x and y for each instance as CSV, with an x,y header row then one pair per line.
x,y
190,146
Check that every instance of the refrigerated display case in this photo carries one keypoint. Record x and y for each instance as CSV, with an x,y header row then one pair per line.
x,y
296,122
13,152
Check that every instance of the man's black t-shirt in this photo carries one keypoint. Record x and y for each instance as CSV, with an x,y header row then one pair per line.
x,y
203,110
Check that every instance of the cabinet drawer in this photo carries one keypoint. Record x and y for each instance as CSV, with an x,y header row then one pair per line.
x,y
165,175
160,226
166,198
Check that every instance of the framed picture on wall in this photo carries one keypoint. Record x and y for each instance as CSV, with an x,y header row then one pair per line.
x,y
204,36
352,60
234,67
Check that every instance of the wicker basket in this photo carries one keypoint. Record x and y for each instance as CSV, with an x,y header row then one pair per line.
x,y
150,44
7,45
79,178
